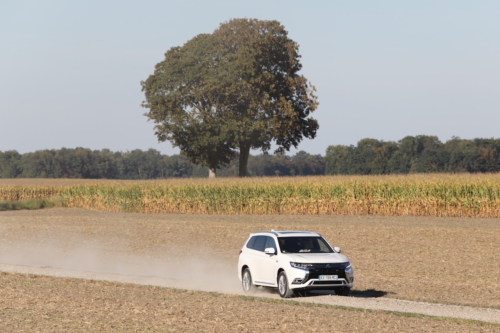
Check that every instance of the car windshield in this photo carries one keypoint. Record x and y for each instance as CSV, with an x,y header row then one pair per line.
x,y
304,245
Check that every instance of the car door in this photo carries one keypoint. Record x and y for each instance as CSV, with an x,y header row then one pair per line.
x,y
247,257
269,264
256,262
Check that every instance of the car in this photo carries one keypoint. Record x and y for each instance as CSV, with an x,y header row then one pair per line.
x,y
293,261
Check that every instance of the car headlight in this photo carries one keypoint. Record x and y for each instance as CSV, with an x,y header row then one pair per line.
x,y
300,265
348,268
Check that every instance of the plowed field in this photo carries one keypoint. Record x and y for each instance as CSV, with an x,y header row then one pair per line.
x,y
31,303
444,260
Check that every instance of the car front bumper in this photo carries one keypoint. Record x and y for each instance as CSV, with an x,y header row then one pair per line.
x,y
311,278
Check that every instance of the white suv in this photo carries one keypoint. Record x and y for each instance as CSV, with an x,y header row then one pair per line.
x,y
293,261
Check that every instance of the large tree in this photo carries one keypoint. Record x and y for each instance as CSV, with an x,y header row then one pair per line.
x,y
221,94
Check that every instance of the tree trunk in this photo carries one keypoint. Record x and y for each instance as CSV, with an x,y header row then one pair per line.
x,y
211,173
244,153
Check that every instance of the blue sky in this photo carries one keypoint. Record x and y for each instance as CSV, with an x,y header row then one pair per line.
x,y
70,71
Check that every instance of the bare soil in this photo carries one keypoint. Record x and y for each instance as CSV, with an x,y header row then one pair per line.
x,y
31,303
442,260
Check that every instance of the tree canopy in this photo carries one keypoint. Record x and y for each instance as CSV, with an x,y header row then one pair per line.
x,y
139,164
221,94
414,154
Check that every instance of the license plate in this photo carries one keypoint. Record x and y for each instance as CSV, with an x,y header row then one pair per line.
x,y
328,277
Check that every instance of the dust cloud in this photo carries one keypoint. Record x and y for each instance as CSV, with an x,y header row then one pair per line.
x,y
170,267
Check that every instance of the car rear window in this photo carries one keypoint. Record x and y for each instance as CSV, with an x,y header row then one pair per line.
x,y
251,242
260,243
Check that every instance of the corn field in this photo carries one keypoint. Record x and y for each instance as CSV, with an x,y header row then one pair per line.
x,y
460,195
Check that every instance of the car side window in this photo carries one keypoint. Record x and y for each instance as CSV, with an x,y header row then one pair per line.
x,y
270,243
260,243
251,242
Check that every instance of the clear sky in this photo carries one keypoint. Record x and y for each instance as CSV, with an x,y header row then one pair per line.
x,y
70,71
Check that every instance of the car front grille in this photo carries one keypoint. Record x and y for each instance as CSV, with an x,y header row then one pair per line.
x,y
327,269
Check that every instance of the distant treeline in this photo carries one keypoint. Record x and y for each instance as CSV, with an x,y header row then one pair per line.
x,y
138,164
419,154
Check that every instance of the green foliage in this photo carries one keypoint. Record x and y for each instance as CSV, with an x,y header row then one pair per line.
x,y
422,154
178,166
28,204
138,164
10,164
301,164
410,155
221,94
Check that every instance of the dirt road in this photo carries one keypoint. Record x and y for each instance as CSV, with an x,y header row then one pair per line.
x,y
445,267
387,304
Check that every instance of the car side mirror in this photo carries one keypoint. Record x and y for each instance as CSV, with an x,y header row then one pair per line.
x,y
337,249
270,250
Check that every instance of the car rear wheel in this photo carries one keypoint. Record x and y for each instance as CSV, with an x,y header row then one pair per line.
x,y
283,288
247,282
345,291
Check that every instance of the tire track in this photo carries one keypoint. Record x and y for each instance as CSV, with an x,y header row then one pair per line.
x,y
387,304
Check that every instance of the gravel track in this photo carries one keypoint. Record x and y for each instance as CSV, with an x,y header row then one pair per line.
x,y
387,304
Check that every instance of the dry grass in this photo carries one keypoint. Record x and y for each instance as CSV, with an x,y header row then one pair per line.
x,y
33,182
457,195
445,260
34,303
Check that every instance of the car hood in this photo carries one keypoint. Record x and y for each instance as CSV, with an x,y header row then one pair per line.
x,y
317,258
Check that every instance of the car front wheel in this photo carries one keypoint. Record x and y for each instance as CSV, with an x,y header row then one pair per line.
x,y
283,288
246,281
